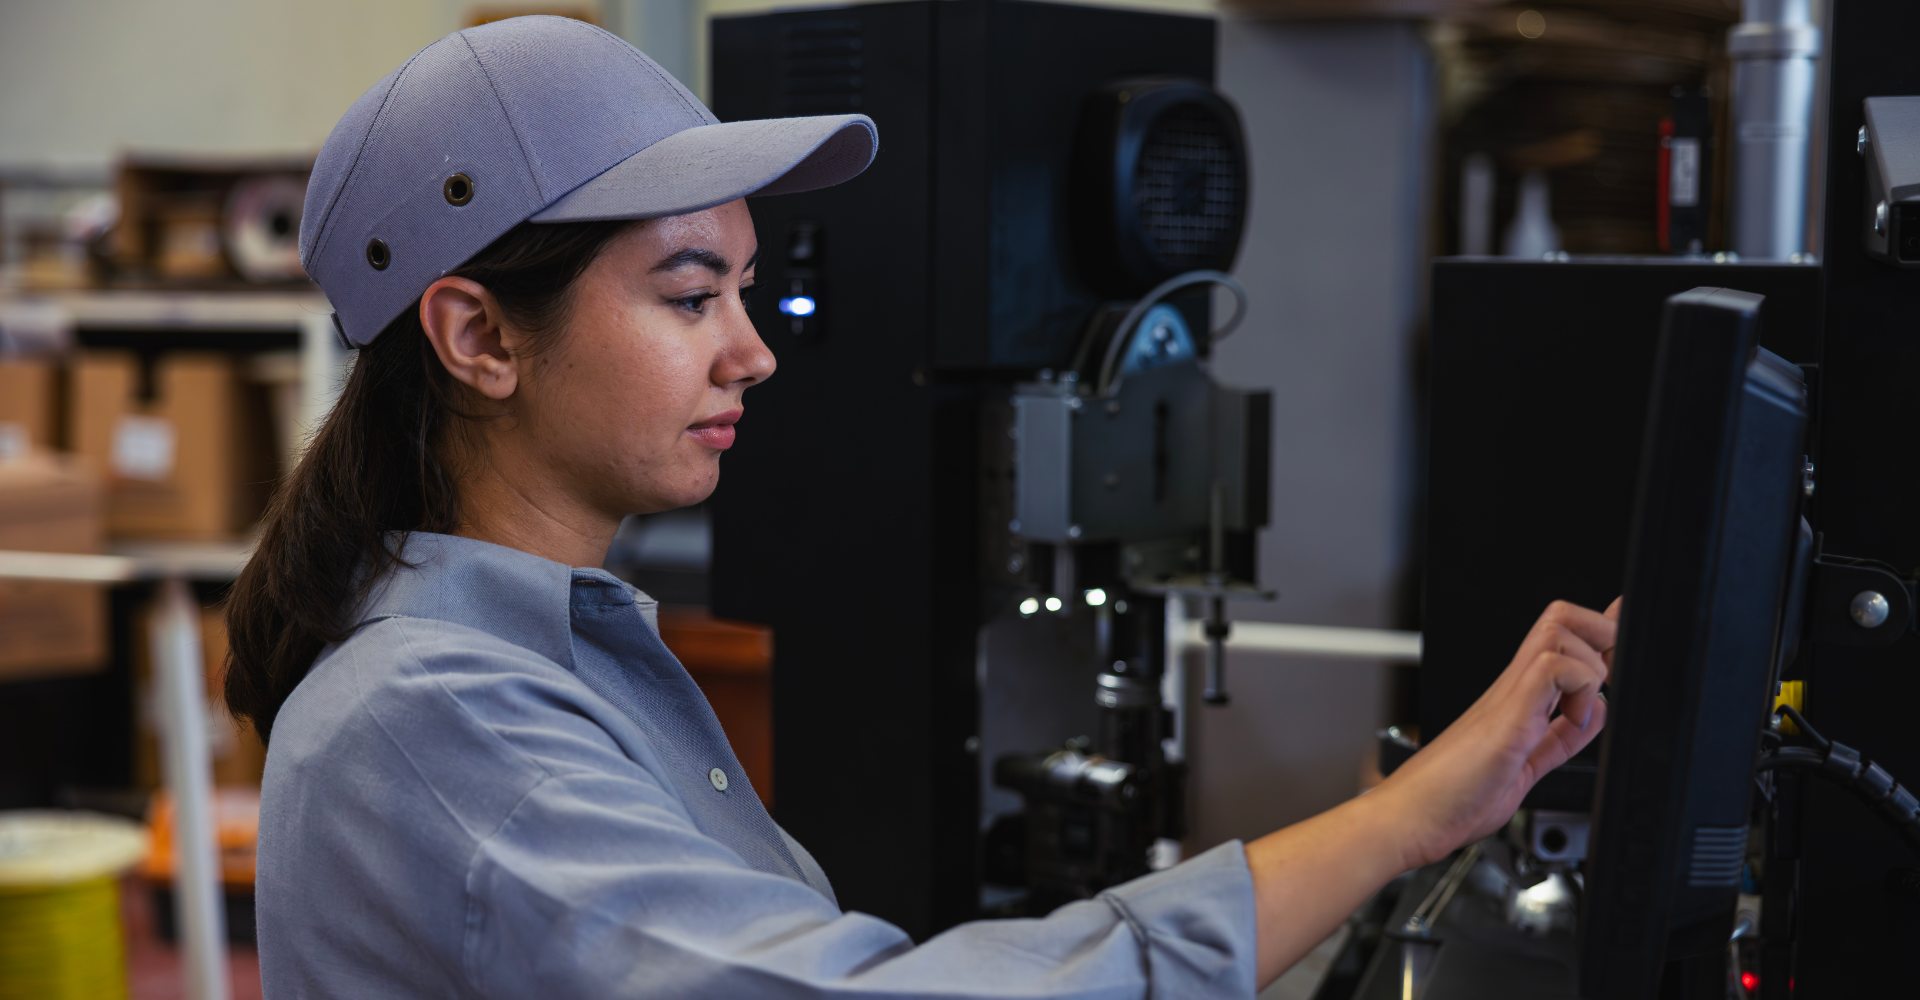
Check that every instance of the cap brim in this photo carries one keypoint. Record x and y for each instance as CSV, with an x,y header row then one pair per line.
x,y
714,164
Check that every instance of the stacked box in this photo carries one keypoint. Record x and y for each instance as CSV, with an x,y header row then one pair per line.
x,y
29,407
183,439
48,504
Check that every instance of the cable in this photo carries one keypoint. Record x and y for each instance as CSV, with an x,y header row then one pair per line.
x,y
1123,334
1851,770
1800,721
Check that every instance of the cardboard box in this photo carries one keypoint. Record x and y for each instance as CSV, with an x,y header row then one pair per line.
x,y
29,407
50,504
238,757
183,440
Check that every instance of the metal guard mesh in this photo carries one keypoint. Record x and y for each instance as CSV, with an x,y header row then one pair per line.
x,y
1189,191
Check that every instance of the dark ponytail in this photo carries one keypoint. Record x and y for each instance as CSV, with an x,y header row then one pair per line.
x,y
379,463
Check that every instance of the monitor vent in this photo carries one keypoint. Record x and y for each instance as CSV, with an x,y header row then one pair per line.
x,y
1189,189
822,68
1719,853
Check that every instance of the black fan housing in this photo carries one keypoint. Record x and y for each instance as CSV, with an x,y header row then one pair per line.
x,y
1162,165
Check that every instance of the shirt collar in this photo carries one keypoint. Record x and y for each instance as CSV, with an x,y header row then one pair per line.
x,y
515,595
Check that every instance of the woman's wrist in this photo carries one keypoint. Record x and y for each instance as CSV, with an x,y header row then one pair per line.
x,y
1389,825
1368,832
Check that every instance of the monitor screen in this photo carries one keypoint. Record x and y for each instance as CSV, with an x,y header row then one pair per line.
x,y
1714,544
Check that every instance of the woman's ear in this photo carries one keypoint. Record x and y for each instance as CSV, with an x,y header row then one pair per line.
x,y
464,324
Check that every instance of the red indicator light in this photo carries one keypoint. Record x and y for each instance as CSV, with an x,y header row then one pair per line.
x,y
1749,981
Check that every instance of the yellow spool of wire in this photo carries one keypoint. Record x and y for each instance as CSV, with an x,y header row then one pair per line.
x,y
60,904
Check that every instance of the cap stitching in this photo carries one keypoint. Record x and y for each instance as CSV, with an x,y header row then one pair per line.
x,y
526,153
678,89
325,232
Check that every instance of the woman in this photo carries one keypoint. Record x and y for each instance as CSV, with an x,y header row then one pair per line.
x,y
487,776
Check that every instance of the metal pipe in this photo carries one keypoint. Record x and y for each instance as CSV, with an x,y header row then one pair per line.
x,y
1778,11
1313,640
1775,51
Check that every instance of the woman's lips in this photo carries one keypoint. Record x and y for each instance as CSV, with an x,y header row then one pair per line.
x,y
716,436
716,432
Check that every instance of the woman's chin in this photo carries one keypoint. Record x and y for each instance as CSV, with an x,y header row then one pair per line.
x,y
687,494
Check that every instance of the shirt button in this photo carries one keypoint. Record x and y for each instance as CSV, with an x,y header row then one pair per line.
x,y
719,779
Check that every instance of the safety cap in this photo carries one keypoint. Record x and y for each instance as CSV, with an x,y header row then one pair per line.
x,y
542,118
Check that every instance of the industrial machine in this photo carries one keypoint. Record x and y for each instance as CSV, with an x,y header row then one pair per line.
x,y
1817,891
995,452
995,456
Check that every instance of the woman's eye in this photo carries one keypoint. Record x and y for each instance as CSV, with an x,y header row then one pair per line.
x,y
750,293
695,304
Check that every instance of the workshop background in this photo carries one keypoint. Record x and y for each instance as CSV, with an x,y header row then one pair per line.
x,y
161,360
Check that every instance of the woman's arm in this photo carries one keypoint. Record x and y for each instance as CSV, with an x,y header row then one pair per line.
x,y
1462,786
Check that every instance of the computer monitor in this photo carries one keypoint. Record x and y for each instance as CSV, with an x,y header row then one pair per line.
x,y
1715,543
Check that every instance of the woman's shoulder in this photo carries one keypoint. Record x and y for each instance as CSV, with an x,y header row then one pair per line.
x,y
432,701
424,668
394,756
392,648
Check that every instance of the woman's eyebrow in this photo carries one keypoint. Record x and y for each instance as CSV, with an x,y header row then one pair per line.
x,y
693,256
700,257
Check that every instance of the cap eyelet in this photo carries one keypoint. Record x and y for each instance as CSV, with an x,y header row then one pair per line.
x,y
377,255
458,189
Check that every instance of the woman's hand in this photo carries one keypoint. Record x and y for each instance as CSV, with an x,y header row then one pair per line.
x,y
1462,786
1467,782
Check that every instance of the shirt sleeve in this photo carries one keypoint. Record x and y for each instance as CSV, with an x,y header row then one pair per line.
x,y
596,884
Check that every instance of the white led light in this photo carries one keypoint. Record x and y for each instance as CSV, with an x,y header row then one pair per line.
x,y
1053,604
1029,606
798,305
1096,597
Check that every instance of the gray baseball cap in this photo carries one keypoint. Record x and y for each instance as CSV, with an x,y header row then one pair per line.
x,y
542,118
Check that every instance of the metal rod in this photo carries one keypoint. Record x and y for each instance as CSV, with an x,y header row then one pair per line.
x,y
1214,631
1216,628
1173,679
1313,640
183,713
129,562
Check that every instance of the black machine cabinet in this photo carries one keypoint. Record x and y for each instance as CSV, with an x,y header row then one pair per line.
x,y
1540,378
848,516
1858,906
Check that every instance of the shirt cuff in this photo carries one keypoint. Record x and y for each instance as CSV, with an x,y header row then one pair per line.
x,y
1195,923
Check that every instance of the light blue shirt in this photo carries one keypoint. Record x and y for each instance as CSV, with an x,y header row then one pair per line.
x,y
502,784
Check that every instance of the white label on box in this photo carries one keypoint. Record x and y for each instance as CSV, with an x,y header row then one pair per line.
x,y
14,442
143,448
1683,174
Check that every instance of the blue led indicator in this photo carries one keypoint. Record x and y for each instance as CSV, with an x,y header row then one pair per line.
x,y
798,305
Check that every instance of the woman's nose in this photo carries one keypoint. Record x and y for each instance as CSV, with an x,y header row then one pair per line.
x,y
747,358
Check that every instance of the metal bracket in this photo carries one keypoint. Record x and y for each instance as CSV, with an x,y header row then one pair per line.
x,y
1889,142
1858,602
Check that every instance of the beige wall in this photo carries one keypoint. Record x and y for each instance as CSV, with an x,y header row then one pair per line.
x,y
81,80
